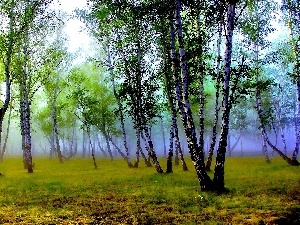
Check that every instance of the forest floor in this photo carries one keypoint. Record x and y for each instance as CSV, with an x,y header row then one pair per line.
x,y
75,193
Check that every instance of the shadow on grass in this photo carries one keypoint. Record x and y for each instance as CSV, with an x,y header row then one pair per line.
x,y
291,217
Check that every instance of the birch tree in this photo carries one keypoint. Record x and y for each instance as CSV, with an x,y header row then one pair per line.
x,y
257,35
182,95
24,18
291,8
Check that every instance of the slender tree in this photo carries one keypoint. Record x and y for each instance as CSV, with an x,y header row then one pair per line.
x,y
27,71
226,105
182,96
4,147
217,108
292,8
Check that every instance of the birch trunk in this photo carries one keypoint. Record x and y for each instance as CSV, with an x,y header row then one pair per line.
x,y
138,148
217,108
226,106
146,159
118,149
163,136
196,153
170,152
152,153
22,124
52,146
108,146
171,102
282,134
25,112
73,144
201,113
292,161
294,27
178,152
178,147
176,158
202,99
56,138
54,121
7,64
93,150
7,135
259,106
296,150
83,143
120,111
100,147
235,144
28,145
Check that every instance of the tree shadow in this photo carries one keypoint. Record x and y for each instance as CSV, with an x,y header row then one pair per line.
x,y
291,217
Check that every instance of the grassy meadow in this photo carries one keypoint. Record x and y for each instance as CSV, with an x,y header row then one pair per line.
x,y
75,193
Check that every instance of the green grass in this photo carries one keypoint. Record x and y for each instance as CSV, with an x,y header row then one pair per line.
x,y
75,193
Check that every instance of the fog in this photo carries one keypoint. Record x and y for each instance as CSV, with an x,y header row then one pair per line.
x,y
246,144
